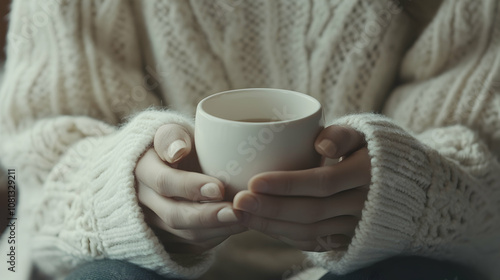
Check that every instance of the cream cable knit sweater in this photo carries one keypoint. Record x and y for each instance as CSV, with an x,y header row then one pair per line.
x,y
77,70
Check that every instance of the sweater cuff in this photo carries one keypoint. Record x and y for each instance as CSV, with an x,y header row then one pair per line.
x,y
400,175
119,218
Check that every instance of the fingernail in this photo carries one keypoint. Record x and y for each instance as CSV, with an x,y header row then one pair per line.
x,y
175,149
260,186
210,190
327,147
248,203
226,215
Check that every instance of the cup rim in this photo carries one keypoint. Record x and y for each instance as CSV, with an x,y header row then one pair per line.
x,y
200,110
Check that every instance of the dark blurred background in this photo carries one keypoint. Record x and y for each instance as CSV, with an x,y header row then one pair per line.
x,y
4,8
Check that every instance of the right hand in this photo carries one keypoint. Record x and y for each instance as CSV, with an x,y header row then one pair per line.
x,y
183,206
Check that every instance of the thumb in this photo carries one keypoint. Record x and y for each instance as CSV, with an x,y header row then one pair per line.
x,y
172,142
339,141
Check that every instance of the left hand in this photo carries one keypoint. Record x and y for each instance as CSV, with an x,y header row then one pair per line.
x,y
316,209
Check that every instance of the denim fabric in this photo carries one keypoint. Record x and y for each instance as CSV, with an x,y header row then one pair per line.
x,y
113,270
400,268
409,268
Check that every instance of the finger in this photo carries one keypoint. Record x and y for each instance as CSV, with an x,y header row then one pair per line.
x,y
172,142
338,141
185,214
352,172
302,210
175,244
171,182
192,236
337,242
345,225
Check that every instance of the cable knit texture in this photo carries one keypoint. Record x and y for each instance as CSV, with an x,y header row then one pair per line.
x,y
80,76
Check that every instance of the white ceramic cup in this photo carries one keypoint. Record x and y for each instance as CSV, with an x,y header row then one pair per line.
x,y
234,151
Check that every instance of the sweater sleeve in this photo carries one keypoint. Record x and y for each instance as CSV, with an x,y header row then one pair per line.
x,y
435,188
74,121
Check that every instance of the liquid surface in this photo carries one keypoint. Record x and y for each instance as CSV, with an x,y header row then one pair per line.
x,y
256,120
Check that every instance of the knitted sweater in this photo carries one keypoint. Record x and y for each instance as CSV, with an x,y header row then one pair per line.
x,y
80,76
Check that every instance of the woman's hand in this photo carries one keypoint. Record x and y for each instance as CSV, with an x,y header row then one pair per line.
x,y
316,209
182,205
